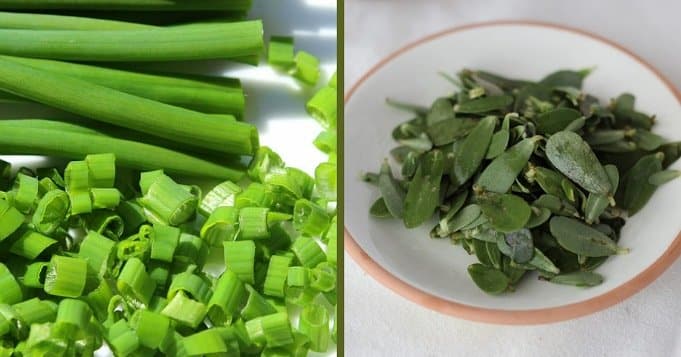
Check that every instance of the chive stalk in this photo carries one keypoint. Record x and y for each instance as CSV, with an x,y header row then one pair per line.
x,y
27,140
200,93
103,104
180,43
128,5
15,20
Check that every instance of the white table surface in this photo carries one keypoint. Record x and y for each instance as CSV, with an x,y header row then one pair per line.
x,y
378,322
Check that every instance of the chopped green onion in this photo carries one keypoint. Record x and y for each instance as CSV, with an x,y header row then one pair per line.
x,y
80,202
191,250
102,170
51,211
11,290
132,214
66,276
46,185
274,218
307,251
240,258
36,311
300,296
5,174
173,345
302,180
35,275
277,271
256,305
151,327
274,329
332,244
148,178
122,339
309,218
221,195
221,226
314,323
253,223
10,219
168,201
99,299
285,189
332,81
135,284
26,193
98,251
73,312
53,174
136,246
192,285
323,107
298,276
326,141
164,242
108,198
185,310
228,294
323,277
281,236
77,176
264,160
106,223
255,195
159,273
326,181
306,67
206,342
31,244
331,232
280,52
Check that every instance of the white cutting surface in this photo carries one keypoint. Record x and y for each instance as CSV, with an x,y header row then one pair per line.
x,y
379,322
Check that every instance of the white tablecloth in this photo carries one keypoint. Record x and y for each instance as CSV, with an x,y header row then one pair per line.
x,y
378,322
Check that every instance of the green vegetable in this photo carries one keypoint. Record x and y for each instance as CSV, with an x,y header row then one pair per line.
x,y
208,40
488,279
506,212
581,278
571,155
280,52
143,5
483,105
306,67
500,174
200,93
424,190
581,239
469,156
150,117
546,190
135,274
636,188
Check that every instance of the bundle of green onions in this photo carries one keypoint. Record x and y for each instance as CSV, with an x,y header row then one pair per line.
x,y
113,249
189,120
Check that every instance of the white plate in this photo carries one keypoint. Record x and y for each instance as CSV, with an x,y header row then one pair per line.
x,y
433,272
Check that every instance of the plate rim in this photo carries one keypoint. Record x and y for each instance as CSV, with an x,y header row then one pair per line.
x,y
503,316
